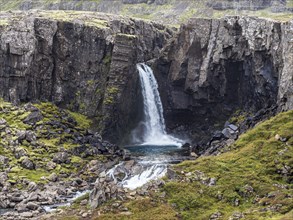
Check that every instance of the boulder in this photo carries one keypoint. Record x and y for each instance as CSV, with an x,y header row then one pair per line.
x,y
61,157
27,163
33,118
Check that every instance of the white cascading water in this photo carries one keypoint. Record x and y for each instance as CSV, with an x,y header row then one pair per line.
x,y
153,133
153,122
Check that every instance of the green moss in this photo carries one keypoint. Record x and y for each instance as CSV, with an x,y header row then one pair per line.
x,y
4,22
107,59
96,23
143,209
82,121
112,90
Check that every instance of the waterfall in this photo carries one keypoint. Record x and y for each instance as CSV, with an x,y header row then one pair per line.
x,y
152,130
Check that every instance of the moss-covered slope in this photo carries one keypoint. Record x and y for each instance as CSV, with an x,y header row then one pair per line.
x,y
41,139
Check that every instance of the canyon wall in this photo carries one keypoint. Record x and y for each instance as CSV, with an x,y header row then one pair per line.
x,y
206,71
216,67
86,64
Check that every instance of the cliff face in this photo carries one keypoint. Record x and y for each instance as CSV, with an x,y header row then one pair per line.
x,y
84,63
87,63
215,67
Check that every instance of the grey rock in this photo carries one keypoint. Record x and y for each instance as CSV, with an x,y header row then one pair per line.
x,y
21,135
27,163
61,157
32,206
2,121
53,177
32,186
26,214
30,136
233,127
20,152
33,118
3,160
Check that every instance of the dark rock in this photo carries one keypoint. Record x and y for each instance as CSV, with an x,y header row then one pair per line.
x,y
30,136
61,157
126,155
30,107
33,118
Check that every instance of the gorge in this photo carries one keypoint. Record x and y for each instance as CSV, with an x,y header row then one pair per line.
x,y
103,103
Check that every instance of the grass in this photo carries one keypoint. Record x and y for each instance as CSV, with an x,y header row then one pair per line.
x,y
248,181
254,162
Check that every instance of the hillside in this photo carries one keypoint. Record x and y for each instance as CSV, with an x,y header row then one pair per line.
x,y
166,11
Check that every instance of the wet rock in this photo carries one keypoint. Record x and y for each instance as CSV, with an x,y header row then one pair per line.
x,y
126,154
171,174
27,163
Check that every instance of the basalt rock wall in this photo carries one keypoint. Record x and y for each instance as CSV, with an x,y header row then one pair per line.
x,y
216,67
86,64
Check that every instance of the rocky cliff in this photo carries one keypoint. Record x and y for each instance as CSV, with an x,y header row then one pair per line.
x,y
86,63
214,67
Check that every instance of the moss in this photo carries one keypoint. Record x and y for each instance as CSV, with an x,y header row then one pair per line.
x,y
107,59
255,161
82,121
143,209
96,23
4,22
112,90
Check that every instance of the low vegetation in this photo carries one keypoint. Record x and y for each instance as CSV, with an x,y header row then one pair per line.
x,y
55,132
251,181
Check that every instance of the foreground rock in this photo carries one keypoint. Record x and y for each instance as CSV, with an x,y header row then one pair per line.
x,y
47,161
